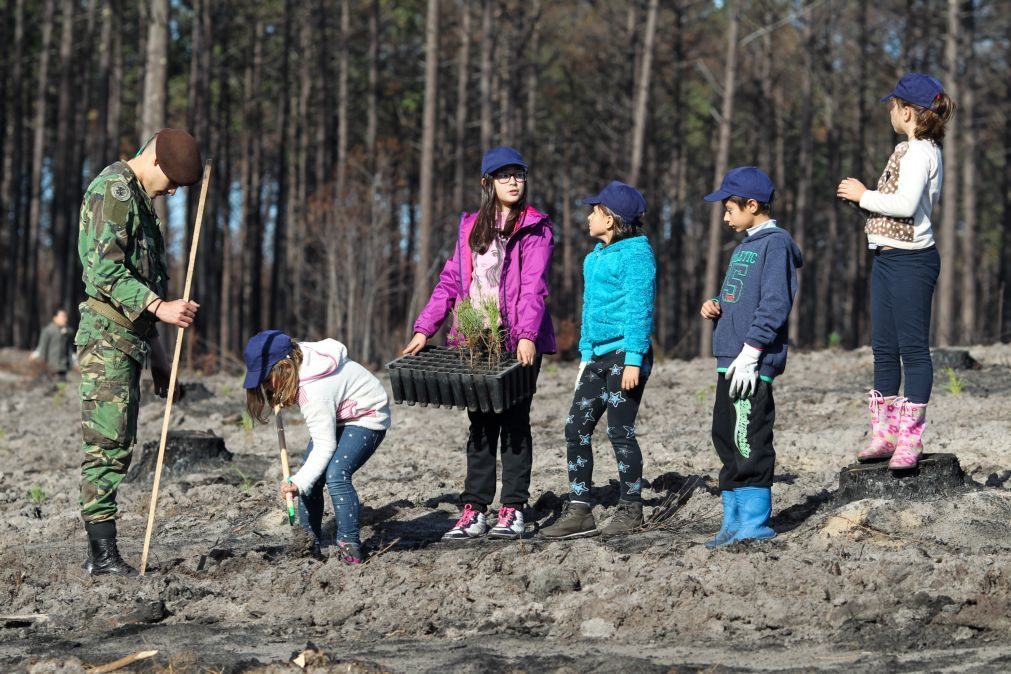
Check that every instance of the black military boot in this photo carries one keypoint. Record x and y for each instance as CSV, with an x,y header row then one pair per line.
x,y
103,555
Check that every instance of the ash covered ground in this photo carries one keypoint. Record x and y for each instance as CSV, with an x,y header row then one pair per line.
x,y
866,585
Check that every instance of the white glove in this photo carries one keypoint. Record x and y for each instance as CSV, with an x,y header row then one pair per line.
x,y
579,375
743,372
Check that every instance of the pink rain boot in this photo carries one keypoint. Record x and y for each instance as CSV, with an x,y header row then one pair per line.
x,y
912,420
884,427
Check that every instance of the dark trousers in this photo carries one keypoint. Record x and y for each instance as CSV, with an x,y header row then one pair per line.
x,y
902,290
742,434
599,391
512,427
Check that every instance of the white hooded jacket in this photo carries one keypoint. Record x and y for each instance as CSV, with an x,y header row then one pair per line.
x,y
334,391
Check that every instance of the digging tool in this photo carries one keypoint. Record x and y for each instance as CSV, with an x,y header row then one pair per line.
x,y
289,500
175,368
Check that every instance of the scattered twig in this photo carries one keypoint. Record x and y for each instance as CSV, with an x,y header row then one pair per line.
x,y
662,517
383,550
122,662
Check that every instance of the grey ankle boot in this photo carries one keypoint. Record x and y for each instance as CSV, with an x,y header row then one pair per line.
x,y
576,521
627,518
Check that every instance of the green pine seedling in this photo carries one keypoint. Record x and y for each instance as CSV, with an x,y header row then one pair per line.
x,y
246,422
955,384
36,495
245,483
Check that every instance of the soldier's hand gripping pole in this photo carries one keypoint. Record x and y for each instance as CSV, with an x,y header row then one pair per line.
x,y
175,367
289,500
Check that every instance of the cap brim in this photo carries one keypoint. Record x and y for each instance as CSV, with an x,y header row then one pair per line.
x,y
253,379
887,98
718,195
522,165
591,201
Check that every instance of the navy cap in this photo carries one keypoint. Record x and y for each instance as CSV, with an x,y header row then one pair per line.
x,y
747,182
497,157
918,89
263,352
623,200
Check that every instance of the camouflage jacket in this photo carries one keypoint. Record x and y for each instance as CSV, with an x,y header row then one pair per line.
x,y
123,255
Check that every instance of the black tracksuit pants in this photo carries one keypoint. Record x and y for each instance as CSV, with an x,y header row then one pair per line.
x,y
486,429
742,433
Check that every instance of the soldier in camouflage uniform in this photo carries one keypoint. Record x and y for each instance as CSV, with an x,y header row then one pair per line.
x,y
123,255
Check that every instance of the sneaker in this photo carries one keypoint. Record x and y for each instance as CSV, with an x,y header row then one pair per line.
x,y
350,553
510,524
472,523
627,518
576,521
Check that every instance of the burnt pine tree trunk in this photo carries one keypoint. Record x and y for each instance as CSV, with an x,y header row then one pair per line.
x,y
642,93
970,260
722,157
59,227
14,167
421,280
460,122
487,51
945,328
28,294
342,99
155,89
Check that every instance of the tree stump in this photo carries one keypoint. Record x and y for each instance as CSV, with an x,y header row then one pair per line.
x,y
936,475
956,359
185,451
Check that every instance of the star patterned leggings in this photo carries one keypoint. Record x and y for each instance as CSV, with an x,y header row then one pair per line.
x,y
355,445
599,391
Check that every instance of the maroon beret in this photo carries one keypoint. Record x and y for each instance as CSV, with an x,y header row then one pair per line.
x,y
178,156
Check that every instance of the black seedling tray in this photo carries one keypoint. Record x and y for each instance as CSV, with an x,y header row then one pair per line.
x,y
439,377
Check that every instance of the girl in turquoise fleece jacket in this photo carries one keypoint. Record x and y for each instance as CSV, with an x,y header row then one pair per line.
x,y
619,288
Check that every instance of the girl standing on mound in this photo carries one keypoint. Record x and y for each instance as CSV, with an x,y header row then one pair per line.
x,y
619,278
906,265
346,411
502,255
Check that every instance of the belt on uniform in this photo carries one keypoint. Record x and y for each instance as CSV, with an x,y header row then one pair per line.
x,y
142,327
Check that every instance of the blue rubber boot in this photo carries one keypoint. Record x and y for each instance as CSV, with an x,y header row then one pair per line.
x,y
754,507
730,521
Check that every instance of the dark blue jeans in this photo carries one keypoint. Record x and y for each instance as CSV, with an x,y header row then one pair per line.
x,y
355,445
902,290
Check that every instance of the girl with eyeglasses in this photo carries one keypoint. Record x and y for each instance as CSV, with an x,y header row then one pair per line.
x,y
502,255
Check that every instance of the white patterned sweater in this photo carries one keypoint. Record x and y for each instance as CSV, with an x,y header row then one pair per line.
x,y
334,391
908,191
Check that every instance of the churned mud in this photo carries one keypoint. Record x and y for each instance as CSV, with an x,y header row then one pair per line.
x,y
848,585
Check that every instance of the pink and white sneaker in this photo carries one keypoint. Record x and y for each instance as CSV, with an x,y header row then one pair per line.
x,y
884,427
350,553
472,524
912,421
510,524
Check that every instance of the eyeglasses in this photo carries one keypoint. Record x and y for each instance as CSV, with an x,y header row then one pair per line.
x,y
504,176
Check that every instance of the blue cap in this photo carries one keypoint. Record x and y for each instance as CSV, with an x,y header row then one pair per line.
x,y
497,157
623,200
918,89
262,353
747,182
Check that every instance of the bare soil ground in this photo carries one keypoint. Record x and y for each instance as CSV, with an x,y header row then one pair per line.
x,y
869,585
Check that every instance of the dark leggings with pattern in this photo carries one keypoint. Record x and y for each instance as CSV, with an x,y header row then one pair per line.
x,y
600,391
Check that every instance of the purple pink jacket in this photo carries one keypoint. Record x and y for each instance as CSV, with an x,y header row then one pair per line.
x,y
522,293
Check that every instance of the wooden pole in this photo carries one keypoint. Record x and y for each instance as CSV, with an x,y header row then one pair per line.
x,y
175,368
285,470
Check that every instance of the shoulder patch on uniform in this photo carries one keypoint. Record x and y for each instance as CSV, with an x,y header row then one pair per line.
x,y
120,191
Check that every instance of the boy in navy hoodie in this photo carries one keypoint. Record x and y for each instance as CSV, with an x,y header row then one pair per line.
x,y
749,341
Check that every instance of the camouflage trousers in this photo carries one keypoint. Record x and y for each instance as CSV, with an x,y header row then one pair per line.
x,y
110,400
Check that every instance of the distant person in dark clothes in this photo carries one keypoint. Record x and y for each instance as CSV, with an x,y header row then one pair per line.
x,y
750,317
56,347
